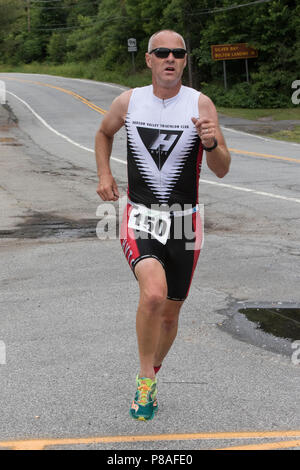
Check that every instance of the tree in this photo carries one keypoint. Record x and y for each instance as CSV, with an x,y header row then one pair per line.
x,y
10,12
97,31
57,48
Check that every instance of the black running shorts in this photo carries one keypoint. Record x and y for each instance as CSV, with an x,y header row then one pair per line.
x,y
178,256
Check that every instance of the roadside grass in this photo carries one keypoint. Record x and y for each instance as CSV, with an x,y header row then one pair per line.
x,y
91,71
254,114
292,135
289,136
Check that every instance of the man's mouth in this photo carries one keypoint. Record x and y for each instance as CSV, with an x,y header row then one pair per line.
x,y
170,69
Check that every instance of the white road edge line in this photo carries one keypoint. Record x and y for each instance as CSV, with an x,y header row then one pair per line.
x,y
259,137
248,190
48,125
230,186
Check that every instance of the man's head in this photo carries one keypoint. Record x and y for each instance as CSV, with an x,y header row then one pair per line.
x,y
150,43
167,66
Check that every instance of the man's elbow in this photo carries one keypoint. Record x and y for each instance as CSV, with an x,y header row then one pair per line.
x,y
224,168
101,134
222,173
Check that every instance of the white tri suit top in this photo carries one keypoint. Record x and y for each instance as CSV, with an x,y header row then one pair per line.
x,y
164,151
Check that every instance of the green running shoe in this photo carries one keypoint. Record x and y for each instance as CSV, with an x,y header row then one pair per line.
x,y
144,405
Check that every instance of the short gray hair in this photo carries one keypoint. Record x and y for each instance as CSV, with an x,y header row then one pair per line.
x,y
163,31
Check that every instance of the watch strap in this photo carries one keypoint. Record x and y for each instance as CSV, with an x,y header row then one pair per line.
x,y
209,149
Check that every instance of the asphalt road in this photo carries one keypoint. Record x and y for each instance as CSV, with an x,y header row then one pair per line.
x,y
68,299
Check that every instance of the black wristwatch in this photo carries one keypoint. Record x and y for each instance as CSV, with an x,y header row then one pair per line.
x,y
209,149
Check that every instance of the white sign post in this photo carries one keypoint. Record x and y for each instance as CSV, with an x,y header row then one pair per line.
x,y
132,47
2,92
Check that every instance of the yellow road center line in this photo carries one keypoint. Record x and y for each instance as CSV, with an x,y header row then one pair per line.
x,y
69,92
266,446
103,111
37,444
265,155
72,93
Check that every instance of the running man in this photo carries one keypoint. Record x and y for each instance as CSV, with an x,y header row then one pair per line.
x,y
168,125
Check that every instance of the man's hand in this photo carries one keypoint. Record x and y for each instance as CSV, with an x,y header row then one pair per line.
x,y
206,129
107,188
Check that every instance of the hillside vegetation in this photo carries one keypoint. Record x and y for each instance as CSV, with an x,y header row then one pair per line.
x,y
89,38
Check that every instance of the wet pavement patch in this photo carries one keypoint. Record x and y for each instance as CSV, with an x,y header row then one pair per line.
x,y
272,326
280,322
50,225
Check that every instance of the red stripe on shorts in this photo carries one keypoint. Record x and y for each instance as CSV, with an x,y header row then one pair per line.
x,y
127,238
198,229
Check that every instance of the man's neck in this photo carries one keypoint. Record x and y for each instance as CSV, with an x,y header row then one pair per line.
x,y
164,93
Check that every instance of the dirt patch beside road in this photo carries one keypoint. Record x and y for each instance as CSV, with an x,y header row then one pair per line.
x,y
263,126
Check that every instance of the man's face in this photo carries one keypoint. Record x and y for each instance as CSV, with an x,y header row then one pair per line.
x,y
166,72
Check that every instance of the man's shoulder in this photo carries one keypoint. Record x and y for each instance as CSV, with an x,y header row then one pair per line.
x,y
140,90
124,97
121,102
190,94
204,100
190,90
207,107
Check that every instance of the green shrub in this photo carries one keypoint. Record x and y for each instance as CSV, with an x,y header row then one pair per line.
x,y
260,94
57,48
30,49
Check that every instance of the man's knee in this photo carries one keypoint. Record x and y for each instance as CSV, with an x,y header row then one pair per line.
x,y
153,298
153,284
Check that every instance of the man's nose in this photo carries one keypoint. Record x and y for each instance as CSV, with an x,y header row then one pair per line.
x,y
172,56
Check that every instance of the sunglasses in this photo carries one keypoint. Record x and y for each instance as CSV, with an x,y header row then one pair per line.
x,y
163,52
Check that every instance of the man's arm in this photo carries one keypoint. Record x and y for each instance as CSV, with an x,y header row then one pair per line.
x,y
207,125
113,120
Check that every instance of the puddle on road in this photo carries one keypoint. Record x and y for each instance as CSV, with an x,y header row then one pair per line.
x,y
41,225
45,225
270,326
280,322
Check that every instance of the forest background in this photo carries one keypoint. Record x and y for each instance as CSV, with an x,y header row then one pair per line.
x,y
88,39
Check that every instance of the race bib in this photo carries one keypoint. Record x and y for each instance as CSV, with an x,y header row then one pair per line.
x,y
154,222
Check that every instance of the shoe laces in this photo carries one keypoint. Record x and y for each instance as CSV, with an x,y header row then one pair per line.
x,y
143,393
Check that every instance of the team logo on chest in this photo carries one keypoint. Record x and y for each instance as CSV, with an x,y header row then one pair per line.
x,y
160,154
159,143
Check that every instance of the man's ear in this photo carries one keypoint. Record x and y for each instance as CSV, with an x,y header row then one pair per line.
x,y
148,60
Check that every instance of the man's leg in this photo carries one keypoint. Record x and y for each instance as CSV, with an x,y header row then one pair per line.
x,y
153,297
168,329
